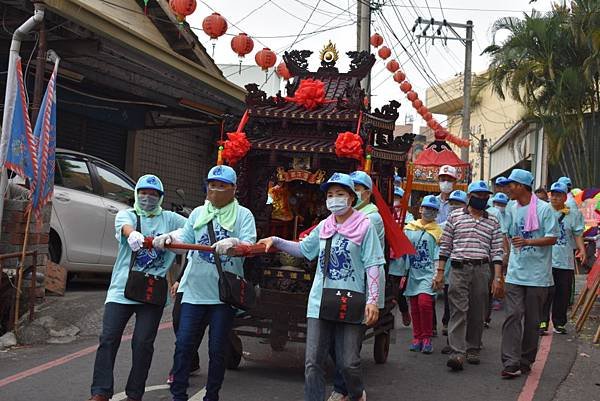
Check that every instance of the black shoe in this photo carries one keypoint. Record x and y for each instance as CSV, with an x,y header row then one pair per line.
x,y
525,369
511,372
455,362
486,325
473,357
447,350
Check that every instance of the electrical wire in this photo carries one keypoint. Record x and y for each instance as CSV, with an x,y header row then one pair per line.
x,y
420,59
441,9
37,38
298,18
252,12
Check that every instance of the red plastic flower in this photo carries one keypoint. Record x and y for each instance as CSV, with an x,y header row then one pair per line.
x,y
349,144
310,94
235,147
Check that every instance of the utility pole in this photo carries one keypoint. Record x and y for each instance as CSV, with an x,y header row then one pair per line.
x,y
468,42
363,36
482,143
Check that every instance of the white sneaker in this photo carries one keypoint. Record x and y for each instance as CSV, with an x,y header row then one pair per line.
x,y
335,396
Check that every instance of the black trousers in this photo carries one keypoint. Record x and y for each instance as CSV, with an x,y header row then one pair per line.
x,y
558,298
398,293
176,314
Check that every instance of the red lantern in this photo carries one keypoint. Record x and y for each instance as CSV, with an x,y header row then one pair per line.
x,y
283,71
265,58
384,52
434,125
392,66
412,96
405,86
399,76
182,8
242,44
417,104
214,26
422,110
427,116
376,40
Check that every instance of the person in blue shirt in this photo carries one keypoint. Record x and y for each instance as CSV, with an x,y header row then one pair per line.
x,y
201,306
563,263
571,203
397,273
354,266
498,210
118,309
424,234
532,230
363,186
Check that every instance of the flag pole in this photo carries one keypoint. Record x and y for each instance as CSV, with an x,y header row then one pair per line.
x,y
21,267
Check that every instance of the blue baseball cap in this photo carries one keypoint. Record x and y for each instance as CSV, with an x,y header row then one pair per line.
x,y
339,179
222,173
431,201
559,187
478,186
150,181
501,181
362,178
500,197
566,180
521,177
459,196
398,191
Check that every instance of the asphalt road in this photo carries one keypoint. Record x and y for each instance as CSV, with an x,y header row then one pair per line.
x,y
63,372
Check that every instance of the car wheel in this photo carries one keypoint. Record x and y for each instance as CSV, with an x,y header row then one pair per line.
x,y
54,248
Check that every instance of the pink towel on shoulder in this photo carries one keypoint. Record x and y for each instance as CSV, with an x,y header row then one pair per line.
x,y
354,228
532,222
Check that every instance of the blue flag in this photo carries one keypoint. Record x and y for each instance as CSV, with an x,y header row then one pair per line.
x,y
44,133
20,153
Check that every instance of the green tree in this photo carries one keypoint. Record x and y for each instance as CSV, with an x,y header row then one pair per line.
x,y
550,64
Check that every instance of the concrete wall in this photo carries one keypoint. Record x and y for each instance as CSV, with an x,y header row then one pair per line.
x,y
180,157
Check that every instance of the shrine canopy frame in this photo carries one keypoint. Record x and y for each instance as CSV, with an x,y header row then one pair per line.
x,y
282,132
428,163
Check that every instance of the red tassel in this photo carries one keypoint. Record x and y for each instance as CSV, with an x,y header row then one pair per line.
x,y
399,242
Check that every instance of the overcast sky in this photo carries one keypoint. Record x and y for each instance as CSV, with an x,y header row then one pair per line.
x,y
276,24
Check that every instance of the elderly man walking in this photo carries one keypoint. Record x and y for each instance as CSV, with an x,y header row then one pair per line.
x,y
472,239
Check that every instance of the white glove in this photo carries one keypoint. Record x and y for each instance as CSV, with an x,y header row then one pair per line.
x,y
162,240
221,247
135,241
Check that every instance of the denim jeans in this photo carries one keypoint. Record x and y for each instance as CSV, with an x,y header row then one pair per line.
x,y
116,316
348,340
193,322
176,314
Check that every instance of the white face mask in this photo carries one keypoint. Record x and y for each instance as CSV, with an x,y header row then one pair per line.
x,y
338,205
501,208
446,186
397,202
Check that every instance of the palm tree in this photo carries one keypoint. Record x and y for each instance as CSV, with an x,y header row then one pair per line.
x,y
549,63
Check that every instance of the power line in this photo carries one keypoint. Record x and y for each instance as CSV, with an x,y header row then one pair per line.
x,y
441,9
253,11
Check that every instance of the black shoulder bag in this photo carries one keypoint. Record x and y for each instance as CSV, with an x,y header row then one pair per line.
x,y
339,305
144,287
234,290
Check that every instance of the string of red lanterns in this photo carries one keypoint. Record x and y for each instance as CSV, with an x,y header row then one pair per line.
x,y
399,76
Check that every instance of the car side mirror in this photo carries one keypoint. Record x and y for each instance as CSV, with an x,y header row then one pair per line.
x,y
181,194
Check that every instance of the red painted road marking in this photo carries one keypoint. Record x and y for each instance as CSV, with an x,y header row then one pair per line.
x,y
63,360
533,380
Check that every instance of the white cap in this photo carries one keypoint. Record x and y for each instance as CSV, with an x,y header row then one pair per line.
x,y
448,170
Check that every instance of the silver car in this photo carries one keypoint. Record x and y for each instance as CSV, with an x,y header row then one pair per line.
x,y
88,194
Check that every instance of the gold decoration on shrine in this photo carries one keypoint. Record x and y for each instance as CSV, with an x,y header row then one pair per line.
x,y
329,54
